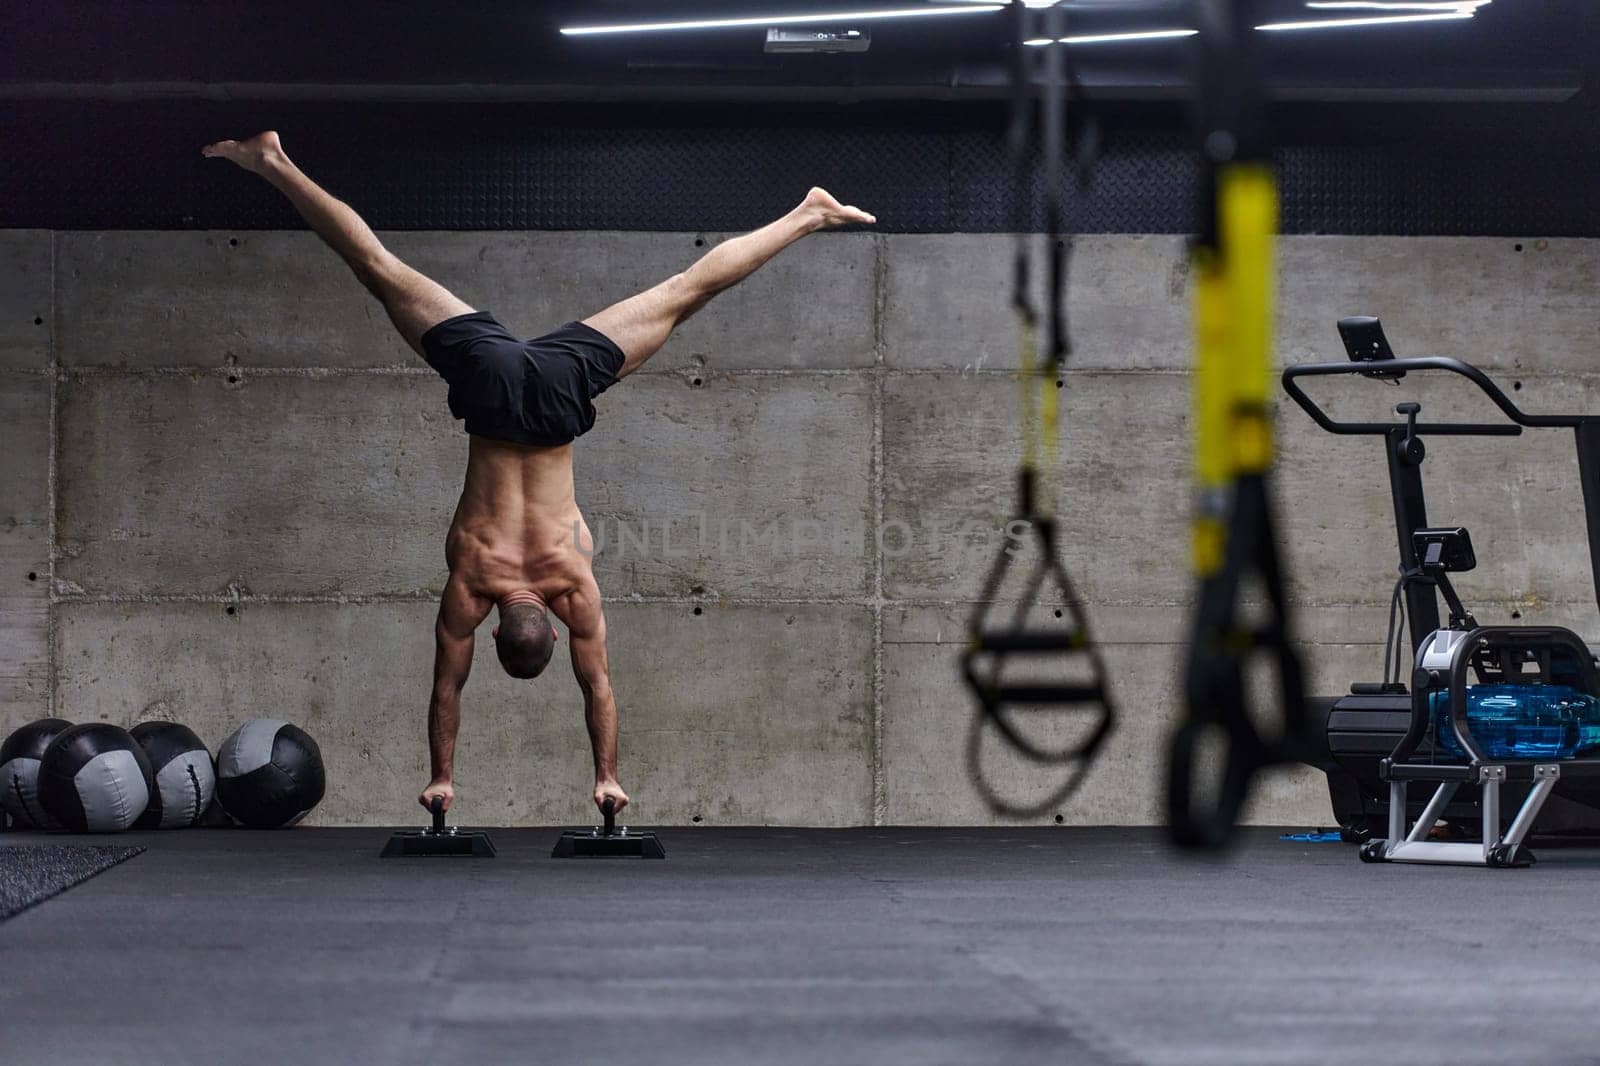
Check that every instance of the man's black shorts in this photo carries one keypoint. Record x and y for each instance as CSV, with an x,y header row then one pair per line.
x,y
528,392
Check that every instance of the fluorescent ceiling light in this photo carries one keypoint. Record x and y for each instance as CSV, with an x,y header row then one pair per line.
x,y
1380,20
784,20
1397,5
1107,38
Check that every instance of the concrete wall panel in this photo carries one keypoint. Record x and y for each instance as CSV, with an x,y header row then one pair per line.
x,y
276,485
947,302
26,287
951,444
773,727
24,548
1492,301
327,485
743,486
811,308
141,299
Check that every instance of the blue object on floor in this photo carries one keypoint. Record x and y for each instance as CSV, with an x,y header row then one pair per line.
x,y
1319,836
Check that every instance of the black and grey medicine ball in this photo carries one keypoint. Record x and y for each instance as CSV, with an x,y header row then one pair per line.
x,y
269,774
19,771
185,779
94,778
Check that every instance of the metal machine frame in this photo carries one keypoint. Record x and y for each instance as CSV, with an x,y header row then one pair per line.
x,y
1459,650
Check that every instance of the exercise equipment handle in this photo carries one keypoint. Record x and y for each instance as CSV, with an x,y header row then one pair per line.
x,y
1485,384
436,806
609,810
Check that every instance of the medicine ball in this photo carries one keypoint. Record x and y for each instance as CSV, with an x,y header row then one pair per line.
x,y
185,779
94,778
19,771
269,774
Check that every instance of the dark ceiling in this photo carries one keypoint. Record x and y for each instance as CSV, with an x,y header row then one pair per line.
x,y
1514,50
480,114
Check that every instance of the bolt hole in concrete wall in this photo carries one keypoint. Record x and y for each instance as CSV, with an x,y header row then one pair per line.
x,y
33,575
827,677
38,320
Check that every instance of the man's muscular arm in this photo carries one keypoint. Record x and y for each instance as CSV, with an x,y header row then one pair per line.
x,y
586,626
460,612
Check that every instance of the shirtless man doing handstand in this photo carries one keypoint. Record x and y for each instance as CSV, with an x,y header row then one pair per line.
x,y
518,541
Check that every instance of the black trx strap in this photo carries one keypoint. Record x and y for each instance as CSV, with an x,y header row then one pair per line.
x,y
1233,531
997,638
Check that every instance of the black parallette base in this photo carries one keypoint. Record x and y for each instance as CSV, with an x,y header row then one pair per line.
x,y
452,843
592,844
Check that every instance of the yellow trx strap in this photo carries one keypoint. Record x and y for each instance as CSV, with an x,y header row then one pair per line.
x,y
1233,337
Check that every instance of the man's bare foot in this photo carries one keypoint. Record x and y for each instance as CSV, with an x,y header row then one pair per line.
x,y
829,212
255,155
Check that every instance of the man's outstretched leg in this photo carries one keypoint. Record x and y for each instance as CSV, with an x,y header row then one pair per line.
x,y
415,303
641,324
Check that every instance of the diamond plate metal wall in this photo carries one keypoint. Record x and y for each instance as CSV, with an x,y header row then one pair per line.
x,y
137,166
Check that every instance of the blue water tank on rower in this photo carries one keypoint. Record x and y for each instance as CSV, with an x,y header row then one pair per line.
x,y
1511,721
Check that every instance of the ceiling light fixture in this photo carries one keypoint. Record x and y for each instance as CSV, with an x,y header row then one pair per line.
x,y
1380,20
1397,5
1108,38
832,17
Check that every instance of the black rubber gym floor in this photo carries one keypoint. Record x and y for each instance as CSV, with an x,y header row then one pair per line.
x,y
31,876
753,946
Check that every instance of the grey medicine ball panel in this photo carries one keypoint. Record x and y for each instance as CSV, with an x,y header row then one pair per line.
x,y
94,778
250,747
113,792
278,792
20,777
19,771
184,788
185,780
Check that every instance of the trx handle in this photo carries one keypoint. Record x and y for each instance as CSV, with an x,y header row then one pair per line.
x,y
992,648
1217,692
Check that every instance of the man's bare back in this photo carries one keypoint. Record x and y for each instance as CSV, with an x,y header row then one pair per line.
x,y
518,543
518,531
517,525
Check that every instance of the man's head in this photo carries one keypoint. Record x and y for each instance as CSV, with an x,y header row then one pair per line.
x,y
524,638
